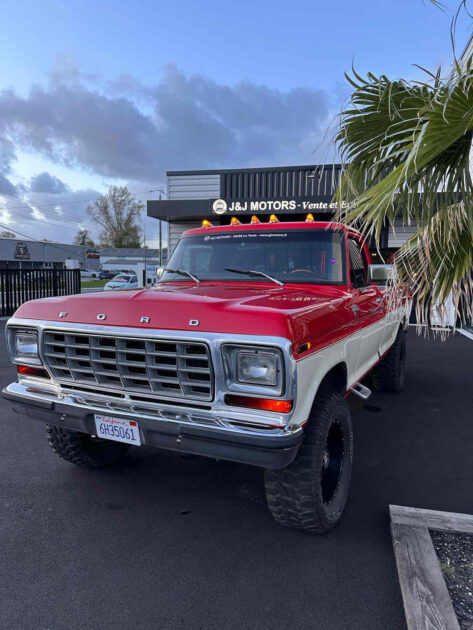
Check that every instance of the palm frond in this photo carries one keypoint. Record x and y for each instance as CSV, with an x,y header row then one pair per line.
x,y
407,147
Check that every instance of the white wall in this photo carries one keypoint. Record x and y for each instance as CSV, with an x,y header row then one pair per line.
x,y
193,186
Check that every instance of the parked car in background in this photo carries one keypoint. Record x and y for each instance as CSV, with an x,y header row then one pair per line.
x,y
89,273
122,281
107,274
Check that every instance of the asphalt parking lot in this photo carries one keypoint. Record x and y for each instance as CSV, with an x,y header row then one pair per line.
x,y
167,542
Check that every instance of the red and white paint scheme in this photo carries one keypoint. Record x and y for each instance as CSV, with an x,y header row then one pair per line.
x,y
270,311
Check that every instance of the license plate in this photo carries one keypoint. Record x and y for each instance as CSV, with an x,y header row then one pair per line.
x,y
109,428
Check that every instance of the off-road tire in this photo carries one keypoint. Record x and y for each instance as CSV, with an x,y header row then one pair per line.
x,y
390,373
82,449
295,494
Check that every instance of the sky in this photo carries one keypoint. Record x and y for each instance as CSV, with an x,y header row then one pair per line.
x,y
94,94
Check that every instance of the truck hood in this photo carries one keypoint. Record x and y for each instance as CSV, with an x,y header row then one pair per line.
x,y
295,312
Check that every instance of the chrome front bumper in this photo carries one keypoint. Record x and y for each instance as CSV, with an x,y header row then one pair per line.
x,y
195,431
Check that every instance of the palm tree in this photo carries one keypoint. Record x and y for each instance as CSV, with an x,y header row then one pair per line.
x,y
406,148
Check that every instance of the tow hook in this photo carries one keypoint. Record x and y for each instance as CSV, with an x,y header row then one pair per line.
x,y
362,391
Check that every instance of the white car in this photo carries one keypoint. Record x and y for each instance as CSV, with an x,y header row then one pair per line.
x,y
122,281
89,273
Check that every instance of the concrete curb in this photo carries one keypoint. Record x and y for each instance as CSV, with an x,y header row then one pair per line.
x,y
427,603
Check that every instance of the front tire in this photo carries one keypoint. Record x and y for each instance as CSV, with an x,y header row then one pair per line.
x,y
390,374
84,450
311,493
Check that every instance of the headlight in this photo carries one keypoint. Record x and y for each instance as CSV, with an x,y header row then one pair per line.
x,y
23,345
254,369
257,368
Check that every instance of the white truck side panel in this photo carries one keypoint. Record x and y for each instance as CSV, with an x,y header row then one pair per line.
x,y
312,369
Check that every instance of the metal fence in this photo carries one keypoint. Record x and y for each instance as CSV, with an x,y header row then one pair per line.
x,y
20,285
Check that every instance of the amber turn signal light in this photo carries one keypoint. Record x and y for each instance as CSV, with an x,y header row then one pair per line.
x,y
265,404
206,223
310,218
254,219
273,219
28,370
234,221
305,347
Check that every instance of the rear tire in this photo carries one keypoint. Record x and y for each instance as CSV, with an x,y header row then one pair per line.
x,y
390,374
82,449
312,492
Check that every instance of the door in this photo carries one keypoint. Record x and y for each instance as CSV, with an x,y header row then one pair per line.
x,y
369,309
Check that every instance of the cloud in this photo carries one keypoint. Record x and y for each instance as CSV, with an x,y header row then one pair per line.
x,y
7,188
46,183
54,216
7,157
125,129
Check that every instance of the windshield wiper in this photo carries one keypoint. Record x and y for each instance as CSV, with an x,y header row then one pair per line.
x,y
183,272
252,272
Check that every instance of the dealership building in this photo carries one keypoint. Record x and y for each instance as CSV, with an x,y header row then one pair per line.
x,y
25,254
290,192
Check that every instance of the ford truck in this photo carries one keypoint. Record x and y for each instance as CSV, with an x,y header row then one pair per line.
x,y
244,351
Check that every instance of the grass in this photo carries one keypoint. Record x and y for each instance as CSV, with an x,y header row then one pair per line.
x,y
91,284
447,569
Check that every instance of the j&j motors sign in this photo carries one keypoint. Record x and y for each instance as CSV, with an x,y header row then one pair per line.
x,y
221,206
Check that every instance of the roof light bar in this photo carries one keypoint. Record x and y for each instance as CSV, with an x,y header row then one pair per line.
x,y
310,218
206,224
273,219
254,219
234,221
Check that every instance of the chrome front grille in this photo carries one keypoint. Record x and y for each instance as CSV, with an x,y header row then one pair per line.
x,y
179,369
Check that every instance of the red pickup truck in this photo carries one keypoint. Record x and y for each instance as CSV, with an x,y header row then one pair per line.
x,y
244,351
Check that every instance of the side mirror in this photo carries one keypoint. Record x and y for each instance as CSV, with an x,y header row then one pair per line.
x,y
379,274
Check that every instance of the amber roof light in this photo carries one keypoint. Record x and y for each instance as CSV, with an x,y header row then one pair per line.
x,y
310,218
234,221
206,223
273,219
254,219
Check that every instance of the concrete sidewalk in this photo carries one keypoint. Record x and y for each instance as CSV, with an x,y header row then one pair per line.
x,y
167,542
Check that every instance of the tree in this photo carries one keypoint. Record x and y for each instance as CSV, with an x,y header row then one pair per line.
x,y
82,238
7,234
405,146
116,212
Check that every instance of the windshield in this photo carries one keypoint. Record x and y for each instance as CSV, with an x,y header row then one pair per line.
x,y
304,256
121,279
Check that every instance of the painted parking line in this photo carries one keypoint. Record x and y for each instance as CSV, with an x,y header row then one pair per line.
x,y
467,333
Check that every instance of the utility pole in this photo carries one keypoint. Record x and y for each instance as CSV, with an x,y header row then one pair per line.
x,y
160,235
